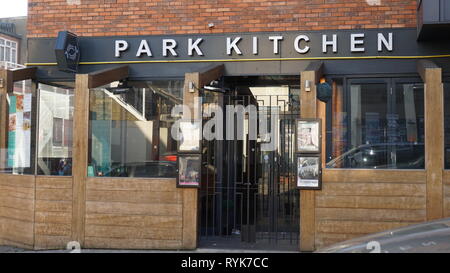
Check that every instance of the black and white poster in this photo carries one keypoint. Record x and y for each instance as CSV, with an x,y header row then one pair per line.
x,y
308,172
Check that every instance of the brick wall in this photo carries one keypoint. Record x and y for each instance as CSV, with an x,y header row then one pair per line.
x,y
143,17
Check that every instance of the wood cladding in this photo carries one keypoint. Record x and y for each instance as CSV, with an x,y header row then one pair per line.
x,y
354,203
17,198
446,193
53,212
133,213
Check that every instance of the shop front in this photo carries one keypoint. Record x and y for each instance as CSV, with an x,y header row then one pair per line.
x,y
90,156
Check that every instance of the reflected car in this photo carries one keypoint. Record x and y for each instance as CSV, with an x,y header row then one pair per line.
x,y
382,156
428,237
151,169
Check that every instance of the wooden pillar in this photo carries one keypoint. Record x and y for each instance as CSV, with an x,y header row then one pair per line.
x,y
434,137
80,156
337,124
6,85
193,82
308,109
83,83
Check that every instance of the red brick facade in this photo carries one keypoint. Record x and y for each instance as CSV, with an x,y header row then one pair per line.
x,y
144,17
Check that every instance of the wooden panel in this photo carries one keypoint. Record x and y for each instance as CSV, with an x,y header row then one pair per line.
x,y
369,215
54,182
133,208
51,242
17,195
190,213
446,193
19,214
134,220
14,202
134,232
353,203
16,192
52,229
132,184
446,177
357,227
135,211
378,176
326,239
53,216
382,202
169,197
54,194
18,181
19,232
373,189
116,243
54,206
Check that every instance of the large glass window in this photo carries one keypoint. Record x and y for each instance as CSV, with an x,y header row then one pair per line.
x,y
17,153
130,129
55,130
377,124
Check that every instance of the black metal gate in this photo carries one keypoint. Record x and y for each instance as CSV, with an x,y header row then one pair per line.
x,y
248,197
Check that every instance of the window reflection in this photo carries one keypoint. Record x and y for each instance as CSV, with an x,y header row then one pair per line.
x,y
17,157
130,129
55,130
376,126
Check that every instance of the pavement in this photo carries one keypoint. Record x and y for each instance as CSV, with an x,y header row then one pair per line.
x,y
9,249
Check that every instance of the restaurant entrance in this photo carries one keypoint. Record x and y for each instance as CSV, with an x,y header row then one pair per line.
x,y
248,197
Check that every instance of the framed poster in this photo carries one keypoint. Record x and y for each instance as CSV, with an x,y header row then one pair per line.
x,y
308,136
189,170
190,137
309,174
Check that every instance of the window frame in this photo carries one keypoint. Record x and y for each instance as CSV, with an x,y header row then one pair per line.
x,y
11,50
391,82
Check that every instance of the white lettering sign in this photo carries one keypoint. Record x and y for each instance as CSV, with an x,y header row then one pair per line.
x,y
121,46
232,45
302,44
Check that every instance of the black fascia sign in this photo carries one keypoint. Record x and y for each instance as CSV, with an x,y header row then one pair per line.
x,y
67,51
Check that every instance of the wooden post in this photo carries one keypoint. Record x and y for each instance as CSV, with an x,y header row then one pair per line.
x,y
308,109
6,85
80,156
192,84
83,82
434,137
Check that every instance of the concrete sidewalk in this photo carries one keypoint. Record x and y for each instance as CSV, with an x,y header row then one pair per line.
x,y
7,249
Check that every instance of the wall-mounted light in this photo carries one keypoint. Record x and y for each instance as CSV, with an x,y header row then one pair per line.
x,y
191,87
307,86
210,25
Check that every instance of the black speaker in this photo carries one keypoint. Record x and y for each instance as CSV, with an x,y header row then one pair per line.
x,y
67,51
324,92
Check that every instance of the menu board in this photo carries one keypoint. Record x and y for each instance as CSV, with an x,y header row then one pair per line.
x,y
19,131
